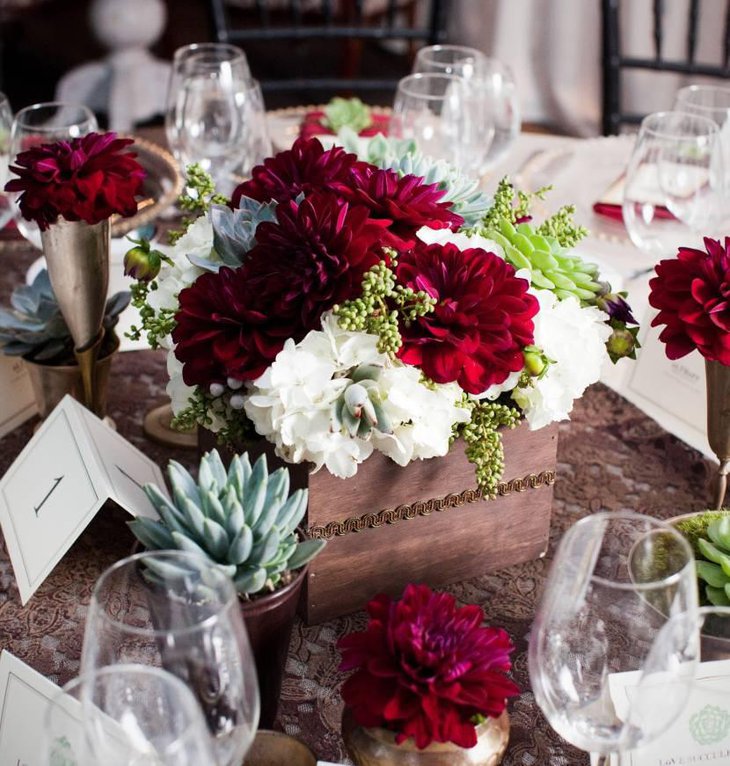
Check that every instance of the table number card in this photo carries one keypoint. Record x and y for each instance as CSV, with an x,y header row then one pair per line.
x,y
65,474
24,698
17,403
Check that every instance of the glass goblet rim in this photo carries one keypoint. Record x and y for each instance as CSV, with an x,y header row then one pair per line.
x,y
34,108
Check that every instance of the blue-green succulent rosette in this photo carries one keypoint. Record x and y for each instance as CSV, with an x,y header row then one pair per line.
x,y
347,302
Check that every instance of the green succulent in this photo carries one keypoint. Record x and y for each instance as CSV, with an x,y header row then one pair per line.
x,y
358,410
243,519
347,112
34,327
551,266
712,550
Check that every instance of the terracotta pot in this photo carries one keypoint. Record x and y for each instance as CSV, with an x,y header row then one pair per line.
x,y
269,620
377,747
52,382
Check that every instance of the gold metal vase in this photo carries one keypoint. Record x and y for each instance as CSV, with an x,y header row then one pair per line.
x,y
77,256
377,747
718,423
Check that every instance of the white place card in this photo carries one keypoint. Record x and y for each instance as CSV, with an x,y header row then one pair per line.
x,y
65,474
24,698
701,733
17,403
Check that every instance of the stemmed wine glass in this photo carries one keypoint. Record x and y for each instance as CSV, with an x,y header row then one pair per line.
x,y
41,124
126,714
674,190
495,103
438,112
615,581
211,109
177,611
6,121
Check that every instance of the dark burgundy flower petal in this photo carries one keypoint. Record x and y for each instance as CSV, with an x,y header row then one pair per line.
x,y
425,667
482,320
692,293
85,179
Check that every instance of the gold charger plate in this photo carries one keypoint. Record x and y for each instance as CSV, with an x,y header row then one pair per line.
x,y
274,748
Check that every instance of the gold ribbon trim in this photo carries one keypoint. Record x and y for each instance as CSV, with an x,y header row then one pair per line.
x,y
426,507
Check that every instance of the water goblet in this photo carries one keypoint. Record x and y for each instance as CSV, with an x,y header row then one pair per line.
x,y
180,612
125,715
46,123
615,582
673,191
6,122
209,108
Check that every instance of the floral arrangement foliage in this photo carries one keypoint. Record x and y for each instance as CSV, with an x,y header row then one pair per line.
x,y
692,293
85,179
341,304
426,669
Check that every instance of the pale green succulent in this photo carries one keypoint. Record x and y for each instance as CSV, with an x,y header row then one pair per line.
x,y
358,410
713,561
551,266
347,112
243,519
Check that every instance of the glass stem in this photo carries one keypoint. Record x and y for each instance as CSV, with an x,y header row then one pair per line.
x,y
603,760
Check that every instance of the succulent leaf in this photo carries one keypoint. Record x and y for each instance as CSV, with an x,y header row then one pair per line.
x,y
243,519
717,596
711,573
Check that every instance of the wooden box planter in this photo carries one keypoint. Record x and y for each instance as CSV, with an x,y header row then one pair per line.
x,y
388,526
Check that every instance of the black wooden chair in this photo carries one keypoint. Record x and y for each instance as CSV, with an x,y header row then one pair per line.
x,y
350,23
614,61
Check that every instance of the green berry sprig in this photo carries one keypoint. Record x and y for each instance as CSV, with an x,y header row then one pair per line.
x,y
483,440
196,199
562,226
383,305
156,324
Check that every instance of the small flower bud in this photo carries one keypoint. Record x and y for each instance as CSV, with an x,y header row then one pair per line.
x,y
534,362
216,389
237,402
622,343
141,262
234,384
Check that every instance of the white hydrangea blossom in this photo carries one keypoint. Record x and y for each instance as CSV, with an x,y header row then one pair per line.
x,y
291,403
173,277
574,337
460,239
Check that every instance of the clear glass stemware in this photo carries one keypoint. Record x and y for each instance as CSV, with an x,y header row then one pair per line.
x,y
42,124
126,715
615,581
6,122
178,611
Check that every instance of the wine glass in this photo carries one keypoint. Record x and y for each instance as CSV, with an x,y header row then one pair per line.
x,y
178,611
497,105
673,193
258,141
6,121
126,714
615,581
46,123
442,114
209,108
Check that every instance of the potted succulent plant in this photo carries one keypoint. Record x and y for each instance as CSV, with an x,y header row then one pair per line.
x,y
245,519
34,329
430,684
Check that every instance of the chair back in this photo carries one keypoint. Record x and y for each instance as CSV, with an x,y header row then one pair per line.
x,y
353,22
615,61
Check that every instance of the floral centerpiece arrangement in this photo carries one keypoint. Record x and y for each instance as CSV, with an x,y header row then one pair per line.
x,y
426,669
339,305
691,293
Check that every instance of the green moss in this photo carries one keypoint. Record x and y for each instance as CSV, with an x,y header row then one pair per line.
x,y
695,527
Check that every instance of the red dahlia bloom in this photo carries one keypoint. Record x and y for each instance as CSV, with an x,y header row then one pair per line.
x,y
234,323
692,293
425,667
304,167
406,201
85,179
482,320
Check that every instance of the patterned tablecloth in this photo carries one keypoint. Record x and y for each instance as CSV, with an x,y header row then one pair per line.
x,y
610,456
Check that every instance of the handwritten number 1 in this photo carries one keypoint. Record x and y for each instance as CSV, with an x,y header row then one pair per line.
x,y
56,482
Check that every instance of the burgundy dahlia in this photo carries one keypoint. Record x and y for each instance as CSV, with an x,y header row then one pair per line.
x,y
234,323
85,179
303,168
482,320
424,668
406,201
692,293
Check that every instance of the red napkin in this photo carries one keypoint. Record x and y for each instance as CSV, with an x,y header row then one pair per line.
x,y
609,205
313,125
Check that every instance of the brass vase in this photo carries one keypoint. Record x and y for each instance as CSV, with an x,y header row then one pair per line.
x,y
77,256
718,423
377,747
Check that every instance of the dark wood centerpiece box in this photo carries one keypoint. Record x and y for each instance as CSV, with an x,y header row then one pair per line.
x,y
426,522
388,526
